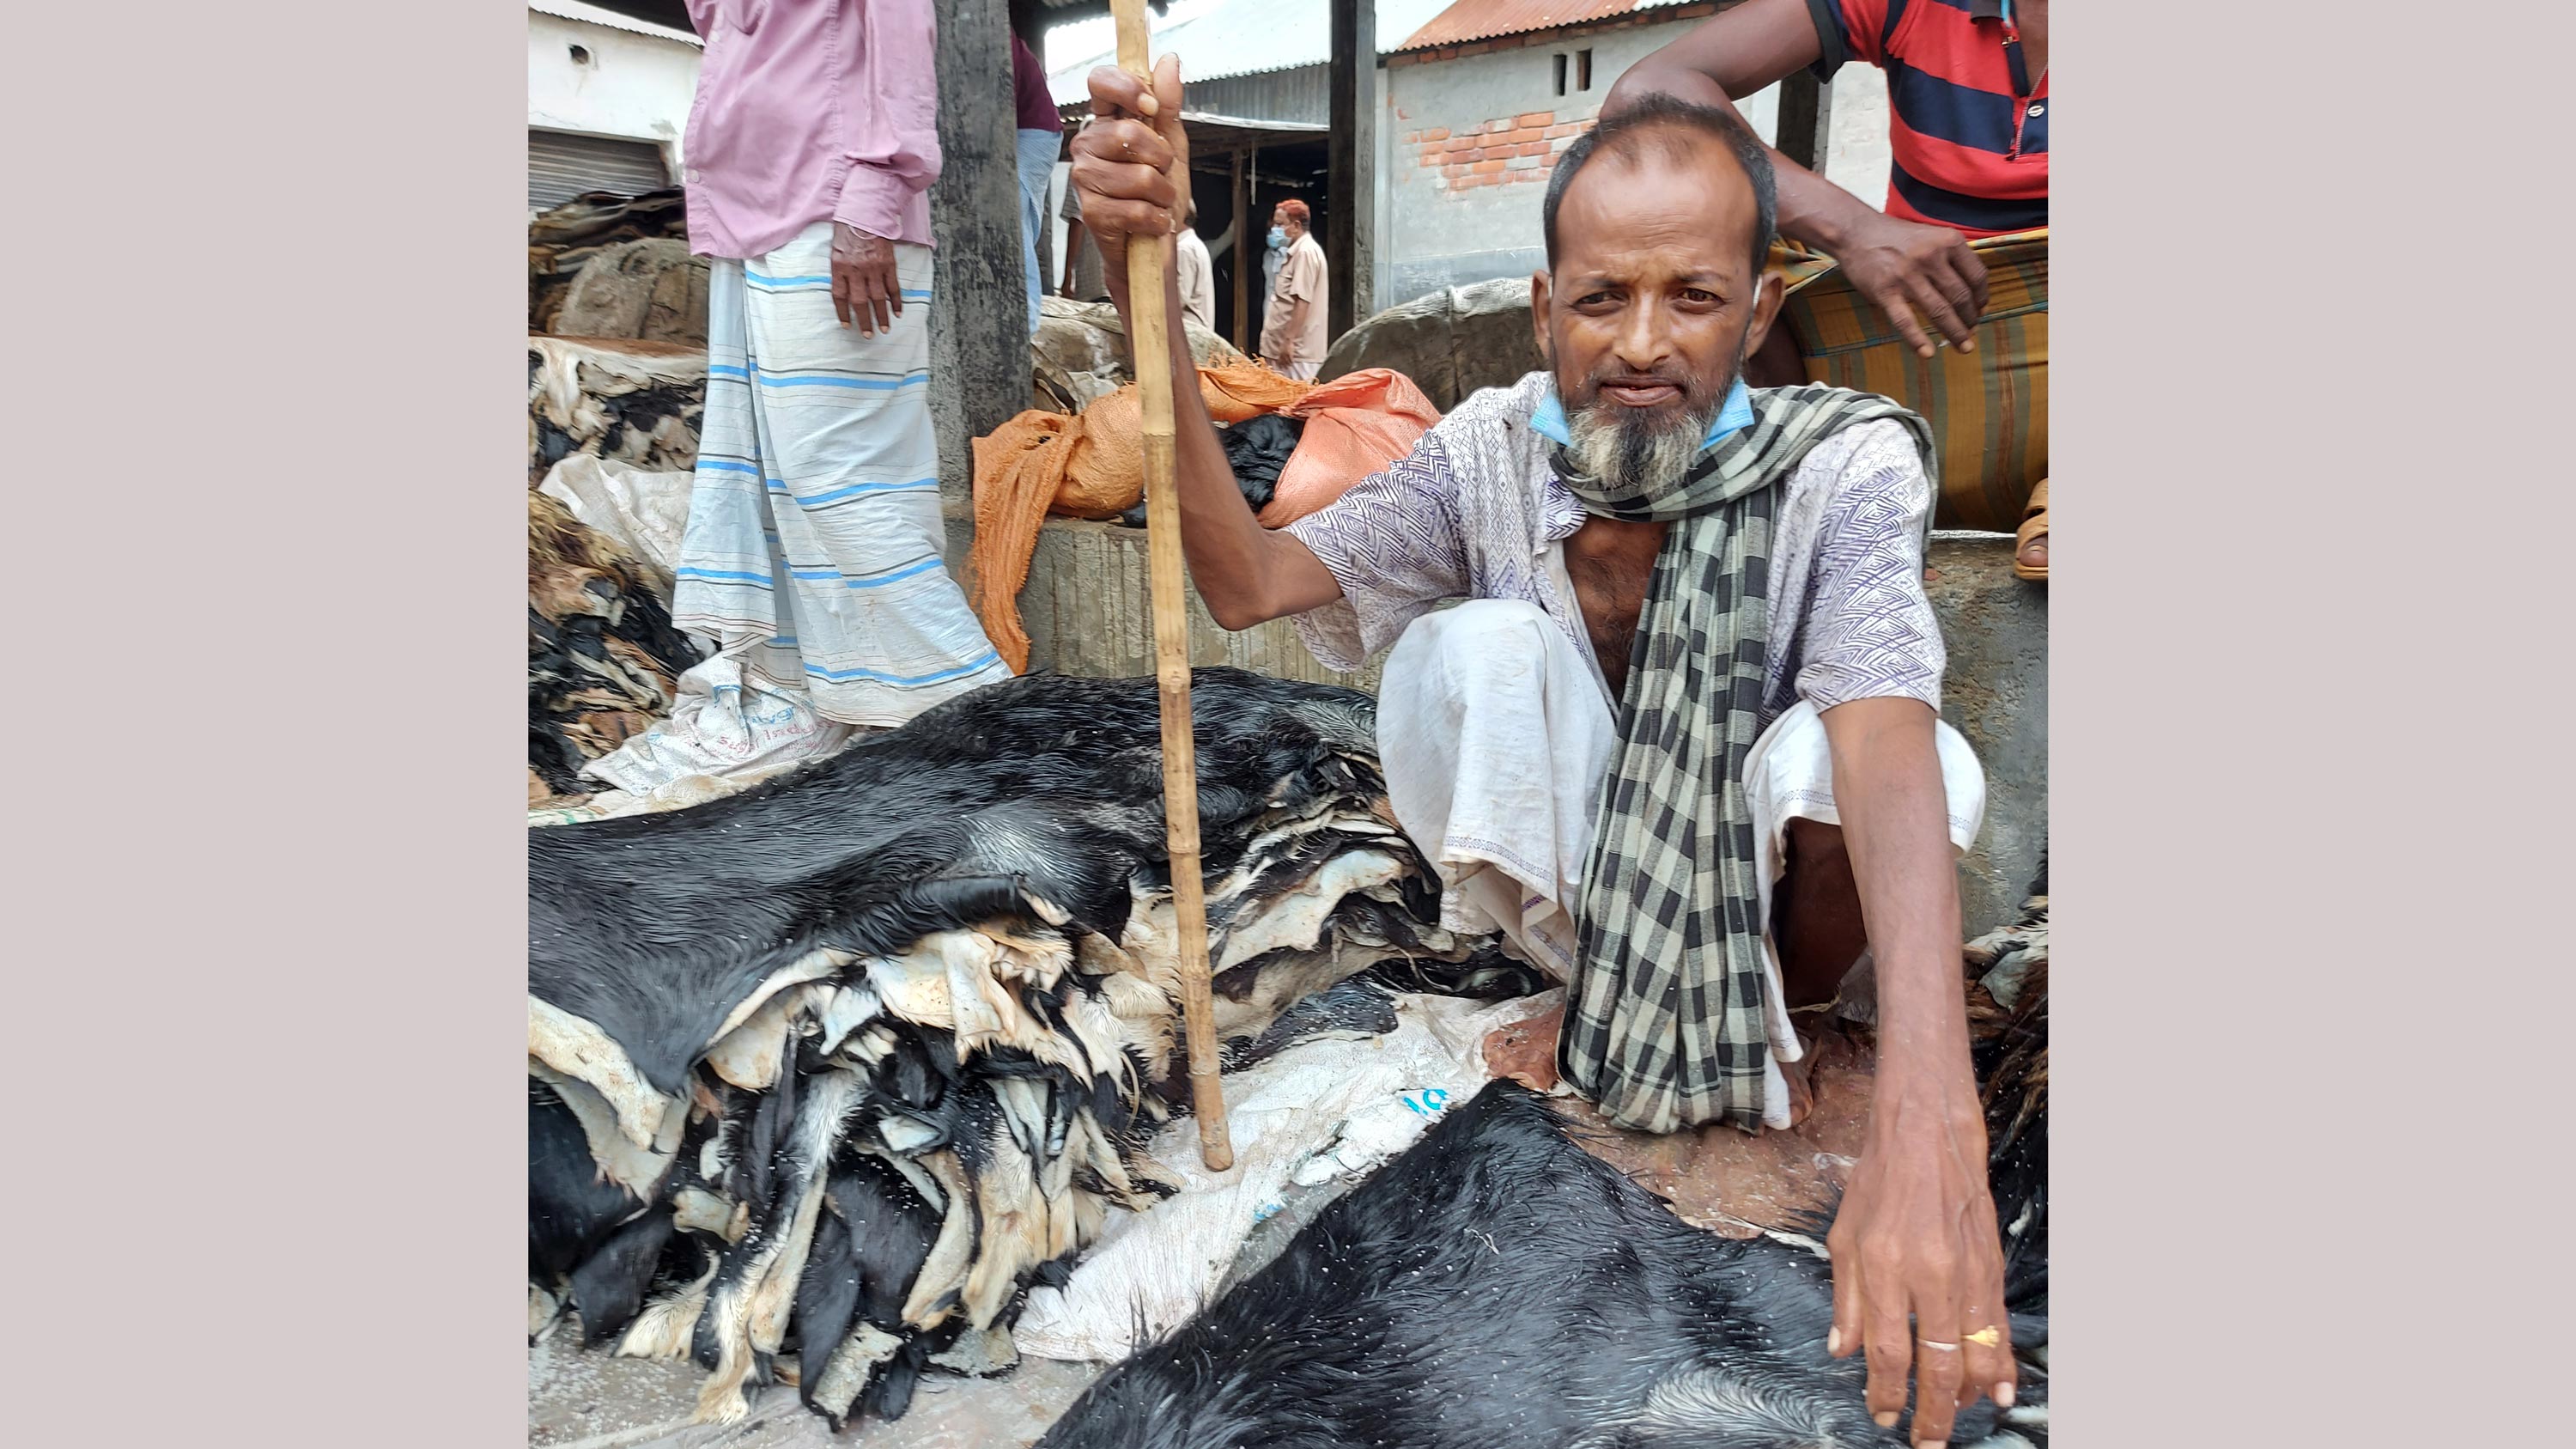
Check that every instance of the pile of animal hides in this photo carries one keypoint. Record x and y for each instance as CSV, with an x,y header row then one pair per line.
x,y
603,657
1078,355
1498,1285
562,241
632,402
1092,465
825,1075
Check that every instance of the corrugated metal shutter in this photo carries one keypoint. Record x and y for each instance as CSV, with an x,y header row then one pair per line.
x,y
561,167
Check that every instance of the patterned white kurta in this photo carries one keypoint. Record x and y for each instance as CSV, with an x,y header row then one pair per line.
x,y
1473,511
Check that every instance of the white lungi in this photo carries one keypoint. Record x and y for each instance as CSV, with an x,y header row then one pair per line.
x,y
1495,730
813,548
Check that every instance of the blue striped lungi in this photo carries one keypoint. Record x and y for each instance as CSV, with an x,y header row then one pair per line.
x,y
813,544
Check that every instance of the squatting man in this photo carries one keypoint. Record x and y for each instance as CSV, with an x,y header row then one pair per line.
x,y
1681,742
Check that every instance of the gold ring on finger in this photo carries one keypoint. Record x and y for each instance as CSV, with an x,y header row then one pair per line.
x,y
1988,1337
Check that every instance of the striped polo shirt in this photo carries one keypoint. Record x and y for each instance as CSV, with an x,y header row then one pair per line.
x,y
1969,145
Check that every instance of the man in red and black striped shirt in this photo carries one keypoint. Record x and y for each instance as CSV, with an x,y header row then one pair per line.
x,y
1967,87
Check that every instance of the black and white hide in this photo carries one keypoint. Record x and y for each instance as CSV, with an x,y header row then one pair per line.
x,y
840,1066
1495,1287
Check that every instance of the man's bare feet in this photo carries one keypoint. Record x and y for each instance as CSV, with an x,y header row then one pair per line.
x,y
1802,1093
1525,1051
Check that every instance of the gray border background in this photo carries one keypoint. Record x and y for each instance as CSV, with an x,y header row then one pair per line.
x,y
266,906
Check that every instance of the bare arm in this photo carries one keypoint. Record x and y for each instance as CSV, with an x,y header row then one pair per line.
x,y
1901,266
1128,171
1916,1232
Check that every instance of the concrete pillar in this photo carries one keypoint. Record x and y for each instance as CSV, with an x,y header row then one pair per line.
x,y
979,320
1805,125
1350,173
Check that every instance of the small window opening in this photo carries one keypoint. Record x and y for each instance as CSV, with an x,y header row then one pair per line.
x,y
1582,72
581,55
1560,75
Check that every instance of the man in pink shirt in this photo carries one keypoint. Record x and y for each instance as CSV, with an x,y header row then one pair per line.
x,y
813,549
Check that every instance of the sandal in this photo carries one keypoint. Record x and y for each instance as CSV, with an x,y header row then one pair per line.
x,y
2034,525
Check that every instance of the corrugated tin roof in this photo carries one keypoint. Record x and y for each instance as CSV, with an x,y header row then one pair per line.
x,y
1246,37
1469,20
600,15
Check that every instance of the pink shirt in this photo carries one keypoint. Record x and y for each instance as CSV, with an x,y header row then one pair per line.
x,y
807,111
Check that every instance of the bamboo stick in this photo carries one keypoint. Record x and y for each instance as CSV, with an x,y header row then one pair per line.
x,y
1149,335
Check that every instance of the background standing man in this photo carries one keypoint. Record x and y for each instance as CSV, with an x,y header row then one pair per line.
x,y
1082,278
1198,274
813,548
1041,137
1292,332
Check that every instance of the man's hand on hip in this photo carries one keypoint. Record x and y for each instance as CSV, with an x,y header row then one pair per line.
x,y
1914,272
1131,164
865,287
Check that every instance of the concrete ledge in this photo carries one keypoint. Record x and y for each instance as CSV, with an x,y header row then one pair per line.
x,y
1087,610
1996,694
1088,607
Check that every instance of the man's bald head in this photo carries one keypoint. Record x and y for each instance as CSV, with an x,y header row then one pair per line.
x,y
1668,130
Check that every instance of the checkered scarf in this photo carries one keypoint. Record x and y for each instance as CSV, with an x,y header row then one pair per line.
x,y
1664,1026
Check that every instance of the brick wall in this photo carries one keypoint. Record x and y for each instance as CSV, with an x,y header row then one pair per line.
x,y
1498,151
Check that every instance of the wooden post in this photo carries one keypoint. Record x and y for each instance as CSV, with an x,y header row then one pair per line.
x,y
1242,257
1150,338
1806,120
1350,170
979,309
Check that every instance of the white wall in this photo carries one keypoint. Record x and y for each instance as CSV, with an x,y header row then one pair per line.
x,y
637,87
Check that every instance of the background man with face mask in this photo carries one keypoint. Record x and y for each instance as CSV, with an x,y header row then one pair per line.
x,y
1680,743
1292,331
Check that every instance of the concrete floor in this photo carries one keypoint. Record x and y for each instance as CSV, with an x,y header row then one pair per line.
x,y
589,1400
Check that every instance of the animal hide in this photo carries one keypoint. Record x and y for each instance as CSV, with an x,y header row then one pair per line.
x,y
629,401
2008,1018
881,1041
603,657
1499,1286
562,241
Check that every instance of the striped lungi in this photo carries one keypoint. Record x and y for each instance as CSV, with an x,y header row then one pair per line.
x,y
1988,408
814,535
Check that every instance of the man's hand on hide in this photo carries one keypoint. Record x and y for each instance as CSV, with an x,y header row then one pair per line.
x,y
1916,1236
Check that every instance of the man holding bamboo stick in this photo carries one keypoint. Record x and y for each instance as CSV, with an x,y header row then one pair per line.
x,y
1680,742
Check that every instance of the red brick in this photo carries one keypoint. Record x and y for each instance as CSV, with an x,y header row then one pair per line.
x,y
1523,136
1456,144
1436,133
1536,118
1531,148
1486,168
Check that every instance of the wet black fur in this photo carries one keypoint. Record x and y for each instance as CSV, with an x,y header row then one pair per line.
x,y
654,927
1497,1286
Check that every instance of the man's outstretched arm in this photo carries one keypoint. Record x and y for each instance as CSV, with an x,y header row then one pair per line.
x,y
1129,166
1916,1231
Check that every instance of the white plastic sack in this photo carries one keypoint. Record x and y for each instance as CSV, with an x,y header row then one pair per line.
x,y
645,511
725,723
1312,1113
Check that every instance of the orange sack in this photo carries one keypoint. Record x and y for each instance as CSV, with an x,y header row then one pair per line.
x,y
1093,466
1356,425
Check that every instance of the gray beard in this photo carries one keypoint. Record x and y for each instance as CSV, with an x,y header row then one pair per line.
x,y
1634,456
